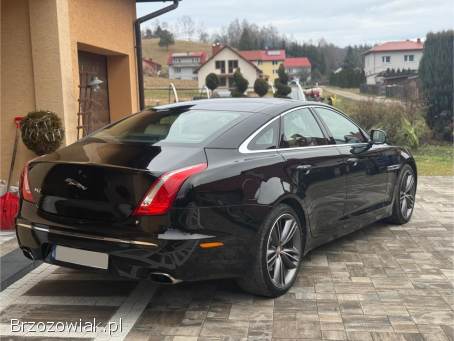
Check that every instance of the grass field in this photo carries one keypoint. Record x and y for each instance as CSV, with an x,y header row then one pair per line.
x,y
151,49
435,160
156,88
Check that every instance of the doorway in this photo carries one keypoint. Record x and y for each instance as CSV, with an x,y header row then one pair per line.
x,y
94,110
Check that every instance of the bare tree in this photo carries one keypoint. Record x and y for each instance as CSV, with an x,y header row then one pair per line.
x,y
202,33
188,26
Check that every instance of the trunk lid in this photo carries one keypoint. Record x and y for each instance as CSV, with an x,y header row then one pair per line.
x,y
94,181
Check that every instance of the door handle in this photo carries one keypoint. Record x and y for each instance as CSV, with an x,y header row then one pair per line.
x,y
353,161
304,168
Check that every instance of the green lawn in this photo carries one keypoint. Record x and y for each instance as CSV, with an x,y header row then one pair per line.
x,y
435,160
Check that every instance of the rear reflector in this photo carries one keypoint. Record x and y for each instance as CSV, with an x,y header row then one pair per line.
x,y
25,185
163,191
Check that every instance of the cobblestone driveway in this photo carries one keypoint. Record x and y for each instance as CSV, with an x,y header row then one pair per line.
x,y
381,283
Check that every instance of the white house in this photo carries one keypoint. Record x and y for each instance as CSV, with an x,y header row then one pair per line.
x,y
392,55
298,68
183,64
224,61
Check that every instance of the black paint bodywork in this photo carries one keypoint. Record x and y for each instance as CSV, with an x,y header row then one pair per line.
x,y
228,201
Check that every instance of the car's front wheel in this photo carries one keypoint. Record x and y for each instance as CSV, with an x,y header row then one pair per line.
x,y
404,196
278,254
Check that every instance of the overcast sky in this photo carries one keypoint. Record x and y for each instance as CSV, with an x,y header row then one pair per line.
x,y
341,22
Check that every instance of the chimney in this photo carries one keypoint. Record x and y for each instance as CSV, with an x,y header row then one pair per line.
x,y
418,40
216,48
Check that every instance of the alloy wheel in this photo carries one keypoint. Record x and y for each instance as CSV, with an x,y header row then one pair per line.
x,y
407,194
283,251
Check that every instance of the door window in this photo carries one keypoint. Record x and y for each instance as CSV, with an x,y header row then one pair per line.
x,y
300,129
342,129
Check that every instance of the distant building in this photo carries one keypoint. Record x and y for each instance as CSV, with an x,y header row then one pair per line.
x,y
151,68
223,62
183,64
298,68
395,55
266,60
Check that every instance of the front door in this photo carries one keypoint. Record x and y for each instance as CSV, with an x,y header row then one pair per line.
x,y
365,165
94,96
315,168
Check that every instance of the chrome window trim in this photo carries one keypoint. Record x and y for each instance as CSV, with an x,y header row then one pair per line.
x,y
243,149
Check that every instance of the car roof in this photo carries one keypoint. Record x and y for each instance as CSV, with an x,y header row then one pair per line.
x,y
269,106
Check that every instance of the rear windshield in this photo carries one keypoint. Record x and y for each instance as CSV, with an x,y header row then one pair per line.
x,y
187,127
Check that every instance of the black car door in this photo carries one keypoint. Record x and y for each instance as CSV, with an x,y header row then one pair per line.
x,y
366,167
314,169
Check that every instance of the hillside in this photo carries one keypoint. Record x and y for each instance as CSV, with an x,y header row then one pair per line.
x,y
151,49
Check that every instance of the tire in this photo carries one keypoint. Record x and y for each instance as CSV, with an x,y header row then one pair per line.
x,y
282,252
404,196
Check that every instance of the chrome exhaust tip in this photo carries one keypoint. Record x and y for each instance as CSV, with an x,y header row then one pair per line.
x,y
28,253
163,278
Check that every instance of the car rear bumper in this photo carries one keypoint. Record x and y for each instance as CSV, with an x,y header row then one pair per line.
x,y
167,260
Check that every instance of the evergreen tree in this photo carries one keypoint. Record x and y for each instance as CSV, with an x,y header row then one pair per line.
x,y
240,84
166,39
246,41
261,87
436,74
212,81
281,83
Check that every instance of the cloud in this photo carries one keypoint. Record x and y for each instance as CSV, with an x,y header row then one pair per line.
x,y
341,22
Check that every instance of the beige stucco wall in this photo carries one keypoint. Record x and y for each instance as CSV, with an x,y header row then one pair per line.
x,y
249,72
17,83
39,65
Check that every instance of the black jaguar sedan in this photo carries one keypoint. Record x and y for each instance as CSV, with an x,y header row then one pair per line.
x,y
239,188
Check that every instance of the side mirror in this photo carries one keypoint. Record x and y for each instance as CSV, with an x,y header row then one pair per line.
x,y
377,136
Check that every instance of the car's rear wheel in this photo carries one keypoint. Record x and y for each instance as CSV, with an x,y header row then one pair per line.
x,y
278,254
404,196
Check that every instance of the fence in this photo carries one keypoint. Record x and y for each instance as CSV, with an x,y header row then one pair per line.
x,y
164,95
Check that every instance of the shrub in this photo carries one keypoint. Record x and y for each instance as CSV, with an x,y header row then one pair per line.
x,y
240,84
403,123
261,87
212,81
280,83
42,132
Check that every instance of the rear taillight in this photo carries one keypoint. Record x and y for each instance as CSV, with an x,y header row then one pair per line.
x,y
162,193
25,185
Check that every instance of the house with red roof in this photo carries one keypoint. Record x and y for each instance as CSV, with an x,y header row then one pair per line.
x,y
397,55
266,60
298,68
183,64
150,67
223,62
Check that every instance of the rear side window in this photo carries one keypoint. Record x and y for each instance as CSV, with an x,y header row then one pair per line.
x,y
300,129
187,127
267,138
342,129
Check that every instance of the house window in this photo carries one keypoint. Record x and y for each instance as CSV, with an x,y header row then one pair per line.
x,y
220,65
275,62
386,59
409,57
233,65
177,69
259,62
